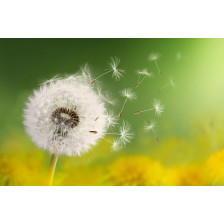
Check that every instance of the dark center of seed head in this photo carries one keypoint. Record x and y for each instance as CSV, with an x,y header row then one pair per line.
x,y
65,117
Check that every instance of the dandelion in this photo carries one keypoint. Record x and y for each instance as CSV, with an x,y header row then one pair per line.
x,y
154,57
170,83
142,75
128,94
117,73
66,116
157,107
123,136
151,127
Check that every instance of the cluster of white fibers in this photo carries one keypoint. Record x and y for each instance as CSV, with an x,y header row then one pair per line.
x,y
66,115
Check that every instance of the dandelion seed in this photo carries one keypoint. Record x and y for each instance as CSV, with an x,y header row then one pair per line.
x,y
123,136
154,57
151,127
117,73
128,94
93,132
125,133
157,107
170,83
142,75
61,117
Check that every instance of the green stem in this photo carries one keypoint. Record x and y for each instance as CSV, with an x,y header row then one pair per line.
x,y
51,169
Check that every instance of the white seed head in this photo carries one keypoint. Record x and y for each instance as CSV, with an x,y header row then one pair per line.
x,y
154,56
66,115
128,93
113,65
150,126
144,72
158,107
125,133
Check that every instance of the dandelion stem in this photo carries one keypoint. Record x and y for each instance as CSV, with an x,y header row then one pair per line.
x,y
51,169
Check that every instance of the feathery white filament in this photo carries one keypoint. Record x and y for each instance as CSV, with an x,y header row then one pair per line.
x,y
158,107
153,56
66,115
128,93
150,126
125,133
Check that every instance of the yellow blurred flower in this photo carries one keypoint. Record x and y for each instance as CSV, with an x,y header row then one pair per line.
x,y
189,175
14,171
21,163
135,171
214,168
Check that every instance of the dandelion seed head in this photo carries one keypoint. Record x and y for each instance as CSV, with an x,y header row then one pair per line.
x,y
117,72
158,107
62,112
128,93
154,56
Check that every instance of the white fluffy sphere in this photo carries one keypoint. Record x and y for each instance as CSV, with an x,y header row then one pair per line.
x,y
66,116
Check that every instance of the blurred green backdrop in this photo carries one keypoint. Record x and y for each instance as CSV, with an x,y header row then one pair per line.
x,y
190,130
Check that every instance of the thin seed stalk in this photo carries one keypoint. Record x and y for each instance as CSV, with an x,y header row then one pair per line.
x,y
51,169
